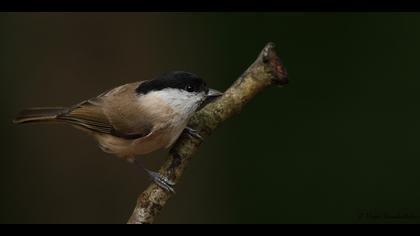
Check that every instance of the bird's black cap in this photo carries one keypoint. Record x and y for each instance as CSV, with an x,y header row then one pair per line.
x,y
174,79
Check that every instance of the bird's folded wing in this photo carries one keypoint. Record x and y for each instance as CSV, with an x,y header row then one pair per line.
x,y
91,115
88,116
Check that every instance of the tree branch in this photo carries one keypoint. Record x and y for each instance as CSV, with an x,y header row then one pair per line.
x,y
265,71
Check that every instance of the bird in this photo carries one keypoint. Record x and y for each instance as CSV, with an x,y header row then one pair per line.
x,y
135,118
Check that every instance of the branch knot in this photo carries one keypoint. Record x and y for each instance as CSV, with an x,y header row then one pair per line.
x,y
279,72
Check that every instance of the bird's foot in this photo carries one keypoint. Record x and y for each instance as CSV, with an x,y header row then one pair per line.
x,y
161,181
158,179
193,133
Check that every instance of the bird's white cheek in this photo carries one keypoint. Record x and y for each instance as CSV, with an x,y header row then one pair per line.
x,y
180,101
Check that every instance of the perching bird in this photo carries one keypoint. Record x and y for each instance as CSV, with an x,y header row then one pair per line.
x,y
135,118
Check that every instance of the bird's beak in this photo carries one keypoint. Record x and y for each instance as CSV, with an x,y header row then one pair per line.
x,y
213,93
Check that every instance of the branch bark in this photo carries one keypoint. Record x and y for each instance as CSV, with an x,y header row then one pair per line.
x,y
265,71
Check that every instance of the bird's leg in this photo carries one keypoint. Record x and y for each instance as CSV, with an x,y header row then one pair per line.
x,y
193,133
160,180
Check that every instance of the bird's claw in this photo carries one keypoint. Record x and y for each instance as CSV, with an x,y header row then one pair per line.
x,y
161,181
193,133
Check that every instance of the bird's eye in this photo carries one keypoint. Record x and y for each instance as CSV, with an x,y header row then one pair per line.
x,y
189,88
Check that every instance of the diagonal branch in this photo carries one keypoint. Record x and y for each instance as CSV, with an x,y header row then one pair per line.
x,y
265,71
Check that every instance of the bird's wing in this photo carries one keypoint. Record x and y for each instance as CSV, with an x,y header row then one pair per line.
x,y
110,113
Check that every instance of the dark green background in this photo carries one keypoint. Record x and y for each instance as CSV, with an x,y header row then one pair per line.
x,y
339,144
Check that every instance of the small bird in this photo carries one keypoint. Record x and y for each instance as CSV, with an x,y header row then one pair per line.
x,y
135,118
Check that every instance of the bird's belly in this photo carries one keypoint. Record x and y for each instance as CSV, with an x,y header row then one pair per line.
x,y
126,148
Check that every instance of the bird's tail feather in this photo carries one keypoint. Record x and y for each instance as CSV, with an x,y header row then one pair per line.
x,y
39,114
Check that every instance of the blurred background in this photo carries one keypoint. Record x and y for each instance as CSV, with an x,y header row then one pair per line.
x,y
339,144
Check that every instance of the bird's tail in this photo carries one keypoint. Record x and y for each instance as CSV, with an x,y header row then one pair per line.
x,y
39,114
